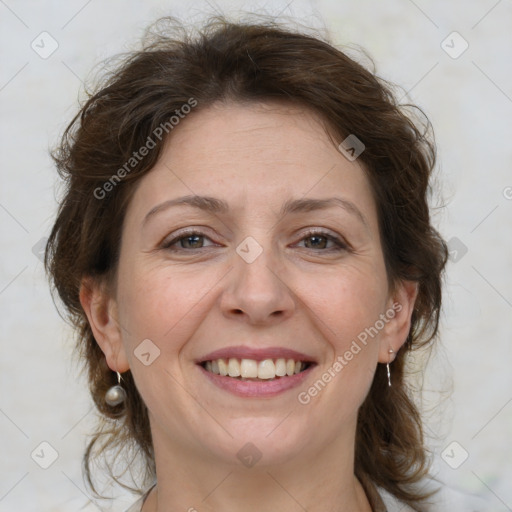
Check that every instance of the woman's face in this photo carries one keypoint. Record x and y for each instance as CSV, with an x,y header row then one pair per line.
x,y
252,246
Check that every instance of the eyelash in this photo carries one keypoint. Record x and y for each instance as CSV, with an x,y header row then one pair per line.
x,y
182,236
340,244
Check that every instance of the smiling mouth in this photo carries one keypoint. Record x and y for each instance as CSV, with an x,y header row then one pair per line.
x,y
251,369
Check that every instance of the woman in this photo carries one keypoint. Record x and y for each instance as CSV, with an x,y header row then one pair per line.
x,y
246,252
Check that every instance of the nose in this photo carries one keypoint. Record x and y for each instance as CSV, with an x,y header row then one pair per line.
x,y
257,292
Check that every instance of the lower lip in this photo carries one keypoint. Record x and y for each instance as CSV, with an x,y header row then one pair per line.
x,y
255,389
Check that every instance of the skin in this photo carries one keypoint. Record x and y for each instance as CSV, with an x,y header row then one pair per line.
x,y
302,293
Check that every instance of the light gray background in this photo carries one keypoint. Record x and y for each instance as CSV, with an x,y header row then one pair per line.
x,y
469,101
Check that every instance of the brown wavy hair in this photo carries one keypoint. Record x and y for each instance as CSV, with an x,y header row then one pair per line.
x,y
249,62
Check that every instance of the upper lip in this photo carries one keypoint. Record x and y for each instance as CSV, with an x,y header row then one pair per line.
x,y
258,354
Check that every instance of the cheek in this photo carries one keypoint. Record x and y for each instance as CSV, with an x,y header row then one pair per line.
x,y
159,310
347,307
347,303
163,305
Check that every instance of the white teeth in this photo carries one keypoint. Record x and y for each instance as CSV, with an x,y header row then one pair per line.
x,y
234,367
251,369
266,369
223,366
281,367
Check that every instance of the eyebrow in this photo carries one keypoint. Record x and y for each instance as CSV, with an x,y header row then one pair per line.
x,y
308,205
205,203
214,205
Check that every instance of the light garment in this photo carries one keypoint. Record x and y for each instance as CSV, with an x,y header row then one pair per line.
x,y
446,500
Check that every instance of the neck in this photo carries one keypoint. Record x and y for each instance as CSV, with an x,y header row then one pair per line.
x,y
314,481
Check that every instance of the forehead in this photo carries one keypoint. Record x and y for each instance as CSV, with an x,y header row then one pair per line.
x,y
253,156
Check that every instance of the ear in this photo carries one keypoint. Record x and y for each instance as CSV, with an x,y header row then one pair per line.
x,y
101,310
398,316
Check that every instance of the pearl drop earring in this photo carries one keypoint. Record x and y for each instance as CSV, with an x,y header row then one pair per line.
x,y
116,394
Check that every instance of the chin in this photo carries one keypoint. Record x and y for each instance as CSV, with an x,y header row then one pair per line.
x,y
264,442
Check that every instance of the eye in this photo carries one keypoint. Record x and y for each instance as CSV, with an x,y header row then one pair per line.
x,y
189,240
322,241
316,242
